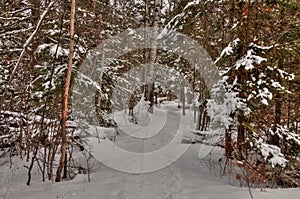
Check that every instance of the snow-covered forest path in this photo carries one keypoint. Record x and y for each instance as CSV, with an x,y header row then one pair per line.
x,y
159,140
165,183
187,178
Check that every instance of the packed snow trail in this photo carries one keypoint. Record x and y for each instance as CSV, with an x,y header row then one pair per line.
x,y
137,155
161,139
187,178
165,183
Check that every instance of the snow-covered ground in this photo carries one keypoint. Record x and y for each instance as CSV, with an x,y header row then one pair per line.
x,y
187,178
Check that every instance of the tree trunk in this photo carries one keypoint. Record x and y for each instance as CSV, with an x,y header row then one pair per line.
x,y
241,136
200,115
274,139
146,50
183,98
204,120
228,138
153,52
36,148
228,143
66,96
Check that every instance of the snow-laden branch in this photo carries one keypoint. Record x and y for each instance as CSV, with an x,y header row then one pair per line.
x,y
176,20
224,103
249,60
271,153
30,39
14,18
15,32
228,50
17,11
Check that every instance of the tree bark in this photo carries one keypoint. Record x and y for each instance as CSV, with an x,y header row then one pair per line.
x,y
31,164
146,43
183,98
241,136
228,137
66,96
274,139
153,52
228,141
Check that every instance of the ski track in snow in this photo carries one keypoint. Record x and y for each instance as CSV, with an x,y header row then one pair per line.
x,y
163,184
164,137
187,178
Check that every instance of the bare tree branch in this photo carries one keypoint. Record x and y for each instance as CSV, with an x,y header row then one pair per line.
x,y
30,39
